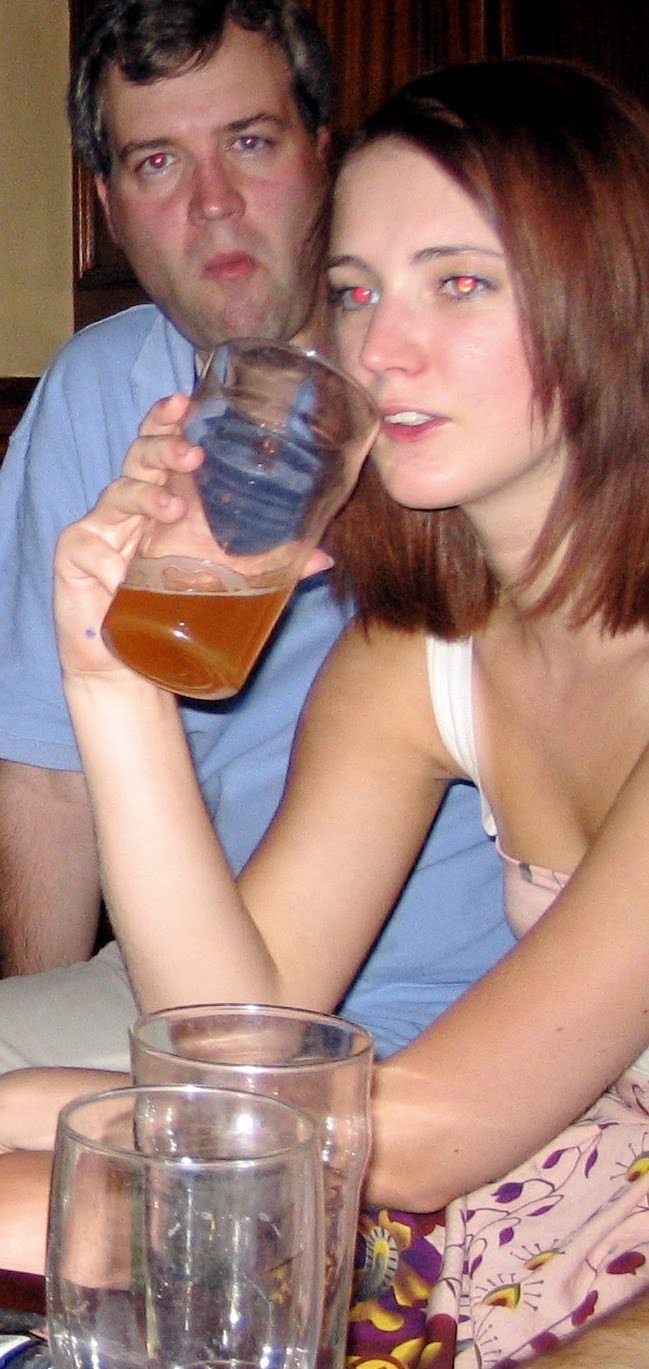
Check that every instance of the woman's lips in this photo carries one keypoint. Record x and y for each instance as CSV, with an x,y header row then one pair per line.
x,y
229,266
410,425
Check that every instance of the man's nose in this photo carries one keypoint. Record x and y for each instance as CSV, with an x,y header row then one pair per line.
x,y
214,194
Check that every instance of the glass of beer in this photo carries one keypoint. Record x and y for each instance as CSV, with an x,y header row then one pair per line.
x,y
285,434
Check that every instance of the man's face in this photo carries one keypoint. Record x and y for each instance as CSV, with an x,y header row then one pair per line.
x,y
214,191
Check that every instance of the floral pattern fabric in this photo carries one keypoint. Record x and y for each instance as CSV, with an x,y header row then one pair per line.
x,y
517,1266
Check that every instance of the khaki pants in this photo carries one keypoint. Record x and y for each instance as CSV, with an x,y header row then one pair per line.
x,y
78,1015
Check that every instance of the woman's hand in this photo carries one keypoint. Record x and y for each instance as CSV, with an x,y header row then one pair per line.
x,y
30,1102
93,555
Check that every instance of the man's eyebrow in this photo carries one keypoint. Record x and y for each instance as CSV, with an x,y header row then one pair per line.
x,y
261,117
143,145
165,140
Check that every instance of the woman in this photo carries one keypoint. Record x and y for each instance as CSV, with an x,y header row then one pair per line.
x,y
489,274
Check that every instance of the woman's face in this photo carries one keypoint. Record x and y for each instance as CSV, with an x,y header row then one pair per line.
x,y
426,319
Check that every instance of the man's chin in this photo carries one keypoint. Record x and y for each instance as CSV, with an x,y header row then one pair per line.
x,y
210,333
238,317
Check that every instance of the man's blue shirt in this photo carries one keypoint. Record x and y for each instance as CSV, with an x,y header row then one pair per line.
x,y
448,927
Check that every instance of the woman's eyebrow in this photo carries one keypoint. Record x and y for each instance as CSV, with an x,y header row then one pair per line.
x,y
344,259
425,254
459,249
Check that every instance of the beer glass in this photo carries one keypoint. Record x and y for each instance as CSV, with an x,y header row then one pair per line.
x,y
185,1231
318,1063
284,435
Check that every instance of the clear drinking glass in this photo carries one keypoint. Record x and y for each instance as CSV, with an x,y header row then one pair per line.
x,y
285,435
320,1064
185,1231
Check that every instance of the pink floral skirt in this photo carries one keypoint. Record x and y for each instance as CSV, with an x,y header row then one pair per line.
x,y
515,1267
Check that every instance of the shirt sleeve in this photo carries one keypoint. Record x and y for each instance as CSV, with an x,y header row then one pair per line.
x,y
68,446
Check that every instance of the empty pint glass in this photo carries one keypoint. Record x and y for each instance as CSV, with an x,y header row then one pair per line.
x,y
185,1232
321,1065
284,435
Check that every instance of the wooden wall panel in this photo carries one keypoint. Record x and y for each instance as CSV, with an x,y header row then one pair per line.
x,y
610,36
377,45
463,31
103,281
15,393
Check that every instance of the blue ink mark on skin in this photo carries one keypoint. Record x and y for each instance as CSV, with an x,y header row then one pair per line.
x,y
90,632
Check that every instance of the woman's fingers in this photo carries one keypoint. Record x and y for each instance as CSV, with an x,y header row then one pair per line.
x,y
152,458
167,415
161,447
129,497
93,555
120,511
139,495
101,544
318,561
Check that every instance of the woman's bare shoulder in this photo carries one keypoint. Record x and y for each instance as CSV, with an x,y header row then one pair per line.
x,y
375,683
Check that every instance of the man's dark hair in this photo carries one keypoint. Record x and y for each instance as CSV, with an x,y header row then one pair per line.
x,y
150,39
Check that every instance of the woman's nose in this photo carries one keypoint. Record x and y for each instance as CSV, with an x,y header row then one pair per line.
x,y
392,342
214,194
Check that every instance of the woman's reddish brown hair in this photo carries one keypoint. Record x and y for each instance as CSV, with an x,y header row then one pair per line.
x,y
558,162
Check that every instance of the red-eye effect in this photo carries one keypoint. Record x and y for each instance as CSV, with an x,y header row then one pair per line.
x,y
361,294
465,284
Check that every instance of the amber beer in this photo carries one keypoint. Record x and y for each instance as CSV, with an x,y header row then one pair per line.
x,y
200,643
284,435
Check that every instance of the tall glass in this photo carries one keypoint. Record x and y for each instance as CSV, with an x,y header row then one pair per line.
x,y
284,435
320,1064
185,1232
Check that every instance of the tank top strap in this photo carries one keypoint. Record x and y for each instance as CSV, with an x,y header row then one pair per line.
x,y
451,686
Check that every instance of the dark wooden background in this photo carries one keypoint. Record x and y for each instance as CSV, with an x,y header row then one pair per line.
x,y
377,44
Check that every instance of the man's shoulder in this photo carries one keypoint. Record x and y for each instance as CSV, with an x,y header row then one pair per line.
x,y
98,387
137,353
118,338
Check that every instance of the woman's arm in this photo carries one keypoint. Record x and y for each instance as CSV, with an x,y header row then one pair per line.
x,y
530,1046
31,1100
312,900
362,796
620,1341
24,1202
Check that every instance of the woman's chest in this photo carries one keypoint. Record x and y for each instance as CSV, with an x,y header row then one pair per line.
x,y
555,746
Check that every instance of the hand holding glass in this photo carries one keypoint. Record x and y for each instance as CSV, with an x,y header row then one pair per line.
x,y
285,435
185,1231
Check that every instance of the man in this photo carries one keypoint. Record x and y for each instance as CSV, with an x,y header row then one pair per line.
x,y
206,127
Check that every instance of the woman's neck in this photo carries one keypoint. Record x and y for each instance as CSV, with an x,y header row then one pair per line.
x,y
508,523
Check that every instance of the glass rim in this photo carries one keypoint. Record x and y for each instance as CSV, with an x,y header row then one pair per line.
x,y
363,1047
252,342
309,1140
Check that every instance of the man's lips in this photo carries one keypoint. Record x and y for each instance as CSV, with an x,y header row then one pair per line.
x,y
229,266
